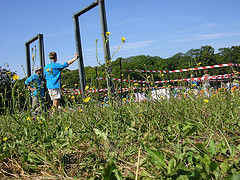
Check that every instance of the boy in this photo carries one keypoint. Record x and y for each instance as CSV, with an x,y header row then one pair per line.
x,y
35,84
52,73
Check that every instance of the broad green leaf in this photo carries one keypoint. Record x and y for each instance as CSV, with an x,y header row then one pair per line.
x,y
156,158
100,133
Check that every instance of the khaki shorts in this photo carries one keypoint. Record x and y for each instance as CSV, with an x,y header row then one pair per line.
x,y
54,93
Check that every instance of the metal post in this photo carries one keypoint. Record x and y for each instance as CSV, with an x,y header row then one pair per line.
x,y
28,68
120,63
79,51
105,43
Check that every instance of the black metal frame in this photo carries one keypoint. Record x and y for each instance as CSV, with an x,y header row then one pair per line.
x,y
106,48
38,37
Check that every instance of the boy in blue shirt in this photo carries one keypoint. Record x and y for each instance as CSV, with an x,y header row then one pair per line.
x,y
52,73
35,84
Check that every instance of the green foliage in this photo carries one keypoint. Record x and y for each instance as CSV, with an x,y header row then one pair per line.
x,y
187,138
205,55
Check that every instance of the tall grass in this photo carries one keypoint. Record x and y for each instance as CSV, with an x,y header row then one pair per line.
x,y
189,138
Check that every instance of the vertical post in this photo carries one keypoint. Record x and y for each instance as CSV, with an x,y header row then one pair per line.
x,y
41,50
79,51
28,60
120,62
105,42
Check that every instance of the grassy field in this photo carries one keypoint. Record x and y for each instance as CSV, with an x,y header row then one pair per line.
x,y
192,137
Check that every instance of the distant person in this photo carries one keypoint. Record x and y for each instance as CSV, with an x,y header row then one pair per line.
x,y
52,73
35,84
194,85
206,82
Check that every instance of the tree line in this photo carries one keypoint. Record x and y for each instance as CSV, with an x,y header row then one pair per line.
x,y
205,56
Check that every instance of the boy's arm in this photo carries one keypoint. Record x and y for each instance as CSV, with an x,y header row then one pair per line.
x,y
71,61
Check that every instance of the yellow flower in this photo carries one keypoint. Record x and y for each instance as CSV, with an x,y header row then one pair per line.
x,y
47,70
33,57
75,84
66,128
135,84
199,63
20,93
162,75
108,61
63,86
148,76
139,115
169,85
80,110
40,122
214,95
108,33
5,139
86,88
28,118
37,117
123,39
124,99
107,102
206,101
194,85
73,97
86,99
121,74
15,77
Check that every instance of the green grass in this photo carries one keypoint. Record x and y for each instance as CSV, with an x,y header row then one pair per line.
x,y
186,138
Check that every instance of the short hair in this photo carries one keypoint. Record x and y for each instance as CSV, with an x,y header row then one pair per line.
x,y
52,55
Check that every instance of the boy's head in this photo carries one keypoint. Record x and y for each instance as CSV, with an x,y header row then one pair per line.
x,y
38,70
53,56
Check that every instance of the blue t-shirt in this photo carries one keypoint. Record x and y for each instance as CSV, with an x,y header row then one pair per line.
x,y
52,73
36,82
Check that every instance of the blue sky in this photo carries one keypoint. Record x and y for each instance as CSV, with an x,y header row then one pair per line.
x,y
154,27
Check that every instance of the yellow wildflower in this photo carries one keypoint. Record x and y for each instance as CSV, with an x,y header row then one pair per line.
x,y
47,70
162,75
86,99
40,122
63,86
199,63
28,118
107,102
80,110
73,97
214,95
124,99
108,33
86,88
135,84
75,84
206,101
148,76
123,39
121,74
15,77
37,117
33,57
66,128
169,85
139,115
5,139
20,93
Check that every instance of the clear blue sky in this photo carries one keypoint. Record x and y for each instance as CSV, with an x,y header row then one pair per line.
x,y
154,27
